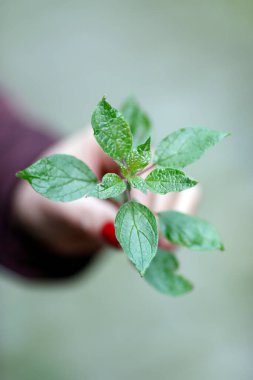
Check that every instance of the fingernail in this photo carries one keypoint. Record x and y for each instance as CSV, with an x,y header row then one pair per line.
x,y
108,234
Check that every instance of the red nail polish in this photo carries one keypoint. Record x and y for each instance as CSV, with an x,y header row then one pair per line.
x,y
108,233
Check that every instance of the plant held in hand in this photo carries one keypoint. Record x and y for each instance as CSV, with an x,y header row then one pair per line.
x,y
124,136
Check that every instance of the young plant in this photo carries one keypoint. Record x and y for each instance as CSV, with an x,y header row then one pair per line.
x,y
124,136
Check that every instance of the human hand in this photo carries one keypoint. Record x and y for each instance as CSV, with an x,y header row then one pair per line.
x,y
82,226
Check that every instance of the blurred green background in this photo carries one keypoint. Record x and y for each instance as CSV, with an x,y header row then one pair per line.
x,y
189,63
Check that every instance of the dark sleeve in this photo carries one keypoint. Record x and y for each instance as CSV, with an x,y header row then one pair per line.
x,y
21,143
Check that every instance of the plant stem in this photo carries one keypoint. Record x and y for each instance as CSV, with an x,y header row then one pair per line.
x,y
128,194
146,169
125,195
128,191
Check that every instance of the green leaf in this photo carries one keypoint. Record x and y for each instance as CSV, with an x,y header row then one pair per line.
x,y
111,131
161,276
139,158
163,261
138,183
189,231
184,146
174,284
136,230
163,181
138,120
111,186
60,177
119,198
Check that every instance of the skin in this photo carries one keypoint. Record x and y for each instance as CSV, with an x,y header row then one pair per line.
x,y
75,228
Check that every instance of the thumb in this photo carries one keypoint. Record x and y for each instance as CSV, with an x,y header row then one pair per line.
x,y
97,219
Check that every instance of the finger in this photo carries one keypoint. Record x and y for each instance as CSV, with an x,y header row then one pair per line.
x,y
109,235
185,202
188,200
83,146
165,244
98,220
96,158
145,199
93,213
164,202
